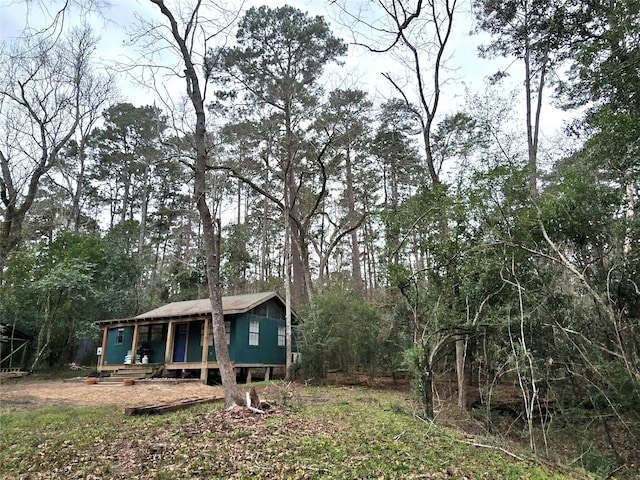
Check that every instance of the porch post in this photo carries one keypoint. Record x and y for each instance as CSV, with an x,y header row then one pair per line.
x,y
204,370
168,350
105,336
134,344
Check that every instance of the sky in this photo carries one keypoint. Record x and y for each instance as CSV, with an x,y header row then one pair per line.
x,y
363,69
466,71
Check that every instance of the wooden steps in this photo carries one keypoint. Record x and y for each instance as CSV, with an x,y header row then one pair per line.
x,y
138,370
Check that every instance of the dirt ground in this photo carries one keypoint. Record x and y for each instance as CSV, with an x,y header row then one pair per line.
x,y
27,391
77,392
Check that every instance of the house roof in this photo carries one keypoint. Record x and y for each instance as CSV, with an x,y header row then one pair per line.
x,y
233,304
230,305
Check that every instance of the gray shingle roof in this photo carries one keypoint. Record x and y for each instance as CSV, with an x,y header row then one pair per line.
x,y
230,305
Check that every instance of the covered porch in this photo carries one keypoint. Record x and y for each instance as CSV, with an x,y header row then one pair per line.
x,y
174,349
161,347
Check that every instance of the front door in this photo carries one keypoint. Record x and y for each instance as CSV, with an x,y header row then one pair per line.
x,y
180,343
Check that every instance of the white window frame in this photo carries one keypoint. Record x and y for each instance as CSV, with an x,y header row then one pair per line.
x,y
254,333
227,331
282,336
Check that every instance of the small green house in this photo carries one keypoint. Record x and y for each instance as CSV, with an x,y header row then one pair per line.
x,y
176,338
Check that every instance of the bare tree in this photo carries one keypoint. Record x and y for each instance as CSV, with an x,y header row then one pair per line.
x,y
45,95
103,92
424,59
535,33
417,34
48,19
188,31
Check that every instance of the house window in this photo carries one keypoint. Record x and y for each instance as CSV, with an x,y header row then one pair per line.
x,y
254,333
227,334
120,336
156,333
202,335
143,333
150,333
282,336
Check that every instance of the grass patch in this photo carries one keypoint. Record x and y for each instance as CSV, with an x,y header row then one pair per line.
x,y
329,433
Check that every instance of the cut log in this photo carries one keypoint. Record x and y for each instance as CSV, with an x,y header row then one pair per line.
x,y
169,407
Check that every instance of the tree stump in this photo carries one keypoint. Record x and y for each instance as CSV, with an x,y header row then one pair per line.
x,y
255,399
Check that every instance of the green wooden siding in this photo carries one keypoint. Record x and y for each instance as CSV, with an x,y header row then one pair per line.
x,y
116,352
239,350
267,351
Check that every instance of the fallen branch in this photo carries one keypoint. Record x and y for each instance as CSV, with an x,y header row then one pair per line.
x,y
253,401
492,447
254,409
614,471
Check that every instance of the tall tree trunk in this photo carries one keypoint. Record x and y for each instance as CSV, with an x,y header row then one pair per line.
x,y
461,350
356,268
298,287
533,118
77,195
125,197
301,281
370,258
144,206
212,253
265,271
630,213
287,295
211,244
426,373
